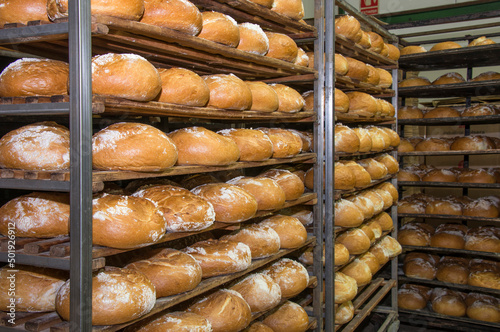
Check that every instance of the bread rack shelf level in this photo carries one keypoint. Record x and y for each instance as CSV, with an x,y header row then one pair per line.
x,y
487,119
471,253
437,283
485,326
466,89
449,152
484,221
448,184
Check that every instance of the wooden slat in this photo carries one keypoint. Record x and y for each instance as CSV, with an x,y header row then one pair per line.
x,y
427,313
346,84
40,246
351,49
452,217
452,90
19,243
472,253
43,322
344,193
449,153
448,184
437,283
355,118
21,318
487,119
356,155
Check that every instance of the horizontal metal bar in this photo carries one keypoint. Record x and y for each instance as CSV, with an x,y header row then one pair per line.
x,y
13,35
24,184
37,260
34,109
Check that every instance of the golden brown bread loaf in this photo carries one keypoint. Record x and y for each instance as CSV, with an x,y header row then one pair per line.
x,y
182,86
259,326
413,49
414,234
181,321
441,112
365,41
372,229
128,9
394,52
475,176
133,147
362,177
410,112
254,144
344,178
390,163
346,288
439,175
23,11
220,28
308,101
365,140
449,78
220,257
420,265
411,297
377,43
118,296
34,291
293,9
253,39
38,146
484,308
371,260
359,271
376,169
414,81
178,15
341,101
479,110
385,221
484,238
264,98
291,231
260,291
264,3
373,75
290,100
453,270
128,76
286,143
473,143
433,144
290,275
341,65
231,203
448,236
302,58
227,91
377,200
362,104
34,77
487,76
448,302
481,208
291,183
385,78
262,240
357,69
448,45
115,217
171,271
225,309
347,214
281,47
344,313
481,41
355,240
341,254
266,191
290,317
349,27
484,273
346,140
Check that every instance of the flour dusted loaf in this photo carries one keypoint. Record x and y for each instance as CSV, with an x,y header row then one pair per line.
x,y
447,45
290,317
357,69
177,321
293,9
41,146
231,203
281,47
35,288
266,191
449,78
259,326
346,139
118,296
290,275
254,144
225,309
286,143
180,15
227,91
116,217
201,146
359,271
414,81
253,39
219,257
262,240
23,11
171,271
348,214
220,28
34,77
349,27
413,49
413,297
39,215
346,288
260,291
182,86
264,97
291,231
126,9
133,147
290,100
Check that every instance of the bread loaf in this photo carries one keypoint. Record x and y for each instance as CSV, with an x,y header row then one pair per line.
x,y
485,308
411,298
291,183
361,176
346,140
343,177
281,47
290,100
178,15
349,27
355,240
376,169
171,272
452,270
262,240
393,52
390,188
448,45
37,215
365,41
413,234
448,302
341,254
377,43
385,78
133,147
180,321
479,110
252,39
293,9
448,237
377,200
127,9
220,28
481,208
264,98
118,296
23,11
259,326
344,313
220,257
449,78
291,276
439,175
260,291
341,65
184,87
433,144
412,49
358,270
372,229
410,112
286,143
481,41
347,214
420,266
362,104
253,144
266,191
302,58
346,288
473,143
365,139
414,81
227,91
225,309
290,317
487,76
291,231
357,70
385,221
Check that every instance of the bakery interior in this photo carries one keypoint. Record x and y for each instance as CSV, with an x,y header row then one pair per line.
x,y
249,165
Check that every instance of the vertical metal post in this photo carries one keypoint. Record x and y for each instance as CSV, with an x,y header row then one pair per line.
x,y
319,106
329,165
394,210
81,166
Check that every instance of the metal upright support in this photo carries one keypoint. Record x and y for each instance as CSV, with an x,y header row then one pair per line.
x,y
319,131
329,165
81,166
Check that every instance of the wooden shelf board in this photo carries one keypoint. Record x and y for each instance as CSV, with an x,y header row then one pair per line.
x,y
448,184
346,83
346,155
449,152
450,217
452,90
344,193
437,283
428,313
487,119
473,253
351,49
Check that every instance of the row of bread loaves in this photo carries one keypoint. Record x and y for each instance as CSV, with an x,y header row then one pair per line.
x,y
413,112
449,78
131,76
364,139
429,173
450,302
446,45
460,143
360,71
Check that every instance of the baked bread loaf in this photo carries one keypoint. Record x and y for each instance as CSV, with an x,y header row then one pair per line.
x,y
484,273
133,146
341,101
362,104
264,3
433,144
231,203
291,231
371,260
349,27
281,47
355,240
184,87
372,229
394,52
302,58
227,91
291,183
483,307
365,41
35,288
365,140
439,175
178,15
376,169
253,144
373,75
348,214
412,49
220,28
475,176
290,275
220,257
377,200
171,271
343,177
487,76
259,326
484,238
344,313
474,143
385,221
264,98
253,39
359,271
448,236
414,81
385,78
308,101
442,112
449,78
41,146
22,11
389,162
481,41
357,69
448,45
341,254
447,302
341,64
480,110
260,291
290,317
346,140
293,9
128,76
262,240
361,176
453,270
118,296
38,215
481,208
290,100
346,288
116,217
266,191
127,10
410,112
181,321
377,43
34,77
225,309
413,297
420,265
286,143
